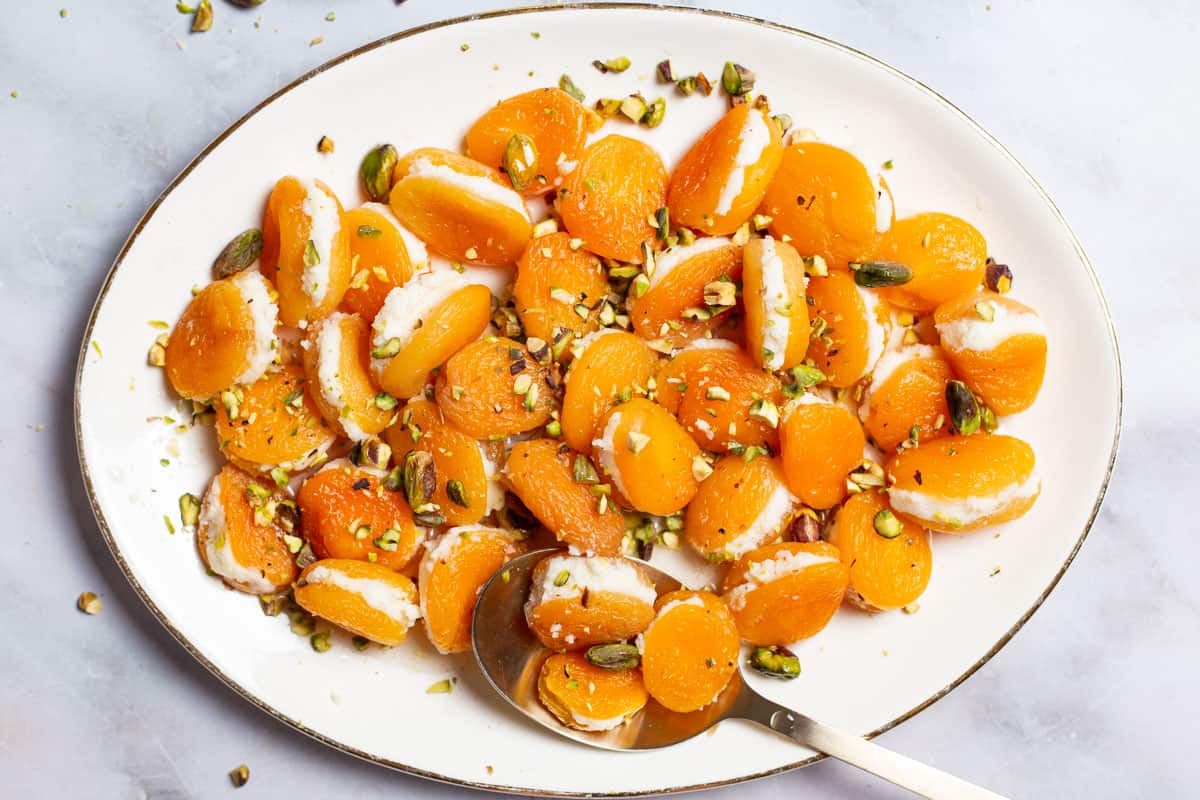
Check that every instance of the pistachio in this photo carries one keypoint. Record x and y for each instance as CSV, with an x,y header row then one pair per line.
x,y
360,643
736,80
634,107
874,274
204,17
765,412
371,452
189,509
280,476
384,401
429,519
531,398
301,623
272,604
784,121
806,376
325,145
618,64
444,686
615,657
986,310
389,540
665,73
368,232
420,478
306,555
965,416
998,277
716,393
805,527
287,514
815,265
760,221
608,107
775,662
987,419
89,603
584,471
662,221
320,641
686,236
546,227
157,355
561,578
640,285
240,776
247,3
457,493
242,251
376,172
887,524
293,543
554,428
703,84
655,112
686,85
720,293
636,441
567,85
520,160
311,256
388,349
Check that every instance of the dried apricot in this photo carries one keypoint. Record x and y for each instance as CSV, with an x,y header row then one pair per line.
x,y
673,308
306,251
886,571
618,183
494,387
541,473
824,199
773,290
690,650
722,529
723,177
576,602
423,323
462,209
649,457
454,568
337,362
558,287
587,697
241,533
947,257
555,123
849,328
226,335
998,346
782,593
346,512
962,483
384,255
821,444
273,422
363,598
907,391
609,366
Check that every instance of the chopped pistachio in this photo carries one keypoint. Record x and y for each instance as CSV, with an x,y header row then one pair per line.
x,y
634,107
389,540
157,355
561,295
760,221
239,776
360,643
775,662
583,470
575,243
987,419
815,266
998,278
636,441
618,64
293,543
765,411
189,509
986,310
736,80
170,525
608,107
444,686
664,71
720,294
887,524
523,383
388,349
716,393
806,376
204,17
520,163
742,235
784,121
311,256
686,85
567,85
457,492
655,112
420,478
545,227
320,641
531,397
89,603
325,145
686,236
376,172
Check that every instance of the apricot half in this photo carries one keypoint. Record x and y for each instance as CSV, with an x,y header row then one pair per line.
x,y
337,362
782,593
742,505
649,456
384,255
849,328
363,598
821,444
576,602
494,388
689,651
947,256
587,697
773,291
608,366
673,308
558,287
886,572
907,391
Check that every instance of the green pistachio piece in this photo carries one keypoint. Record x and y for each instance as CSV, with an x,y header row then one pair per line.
x,y
242,251
567,85
615,657
965,416
736,80
520,160
204,17
457,493
776,662
874,274
376,172
887,524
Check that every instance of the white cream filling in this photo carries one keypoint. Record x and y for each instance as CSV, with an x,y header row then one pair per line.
x,y
694,600
324,223
760,573
495,492
958,511
379,595
605,448
972,332
891,361
476,185
876,333
592,724
418,255
777,324
256,294
755,138
768,522
580,345
711,344
596,574
672,257
406,306
221,559
329,375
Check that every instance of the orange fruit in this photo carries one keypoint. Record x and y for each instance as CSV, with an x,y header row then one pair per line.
x,y
908,389
556,124
690,650
384,255
723,177
821,444
462,209
649,456
363,598
240,533
962,483
885,573
226,335
998,346
337,361
824,199
673,307
773,290
346,513
554,283
306,251
850,336
608,365
721,528
454,568
576,602
947,257
540,472
606,199
494,387
587,697
423,323
782,593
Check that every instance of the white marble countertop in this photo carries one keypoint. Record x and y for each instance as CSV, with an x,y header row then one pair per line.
x,y
1097,697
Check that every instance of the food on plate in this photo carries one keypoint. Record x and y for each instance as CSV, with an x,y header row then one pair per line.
x,y
821,443
906,398
576,602
687,290
586,697
889,557
946,255
648,455
495,387
689,650
849,328
782,593
773,289
607,368
743,504
370,600
383,253
560,289
337,362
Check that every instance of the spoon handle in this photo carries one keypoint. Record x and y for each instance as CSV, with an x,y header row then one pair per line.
x,y
901,770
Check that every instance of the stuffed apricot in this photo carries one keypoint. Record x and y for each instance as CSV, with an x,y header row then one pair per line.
x,y
366,599
576,601
721,529
243,531
782,593
888,557
586,697
689,650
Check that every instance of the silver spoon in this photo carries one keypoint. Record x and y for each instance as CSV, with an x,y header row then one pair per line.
x,y
511,657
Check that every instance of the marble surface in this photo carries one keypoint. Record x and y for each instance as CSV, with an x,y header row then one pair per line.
x,y
1097,696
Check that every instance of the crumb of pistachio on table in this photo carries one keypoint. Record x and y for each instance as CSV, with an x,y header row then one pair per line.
x,y
62,13
239,776
316,41
13,94
330,17
995,571
489,768
464,47
89,604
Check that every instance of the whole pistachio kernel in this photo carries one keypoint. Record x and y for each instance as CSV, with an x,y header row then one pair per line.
x,y
240,775
242,251
965,416
775,662
89,603
320,641
376,172
520,160
204,17
887,524
567,85
420,478
874,274
736,79
457,493
615,657
189,509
